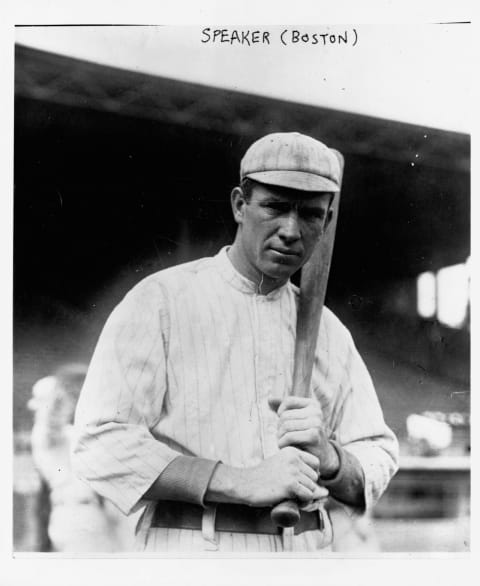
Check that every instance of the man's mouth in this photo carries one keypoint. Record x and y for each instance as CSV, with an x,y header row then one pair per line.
x,y
285,253
281,250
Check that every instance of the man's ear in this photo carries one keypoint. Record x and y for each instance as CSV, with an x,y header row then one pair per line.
x,y
329,217
239,202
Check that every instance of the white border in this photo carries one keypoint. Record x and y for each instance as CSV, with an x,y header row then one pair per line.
x,y
392,569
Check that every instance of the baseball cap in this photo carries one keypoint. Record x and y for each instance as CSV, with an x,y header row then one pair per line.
x,y
291,159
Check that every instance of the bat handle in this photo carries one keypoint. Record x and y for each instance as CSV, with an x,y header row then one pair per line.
x,y
285,514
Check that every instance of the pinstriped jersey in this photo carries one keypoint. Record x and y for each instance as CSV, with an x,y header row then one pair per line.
x,y
186,364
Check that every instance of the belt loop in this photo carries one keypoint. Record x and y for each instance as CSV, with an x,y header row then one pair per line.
x,y
321,517
208,527
143,526
287,538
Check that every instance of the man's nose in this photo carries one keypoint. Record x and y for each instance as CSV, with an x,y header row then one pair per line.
x,y
289,230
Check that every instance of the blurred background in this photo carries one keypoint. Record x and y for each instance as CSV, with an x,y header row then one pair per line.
x,y
127,145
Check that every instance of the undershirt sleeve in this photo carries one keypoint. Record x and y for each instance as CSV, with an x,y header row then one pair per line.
x,y
186,479
349,479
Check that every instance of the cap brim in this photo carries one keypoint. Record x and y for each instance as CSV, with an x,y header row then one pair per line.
x,y
295,180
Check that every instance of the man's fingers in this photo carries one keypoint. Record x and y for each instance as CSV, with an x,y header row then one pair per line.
x,y
308,483
293,403
320,492
298,438
311,473
293,414
292,425
310,460
302,493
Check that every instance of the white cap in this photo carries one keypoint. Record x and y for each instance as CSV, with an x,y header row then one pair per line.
x,y
291,159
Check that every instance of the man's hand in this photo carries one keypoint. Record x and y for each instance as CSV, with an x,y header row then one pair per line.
x,y
300,425
289,474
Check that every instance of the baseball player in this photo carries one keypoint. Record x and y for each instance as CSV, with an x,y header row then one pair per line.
x,y
186,409
79,520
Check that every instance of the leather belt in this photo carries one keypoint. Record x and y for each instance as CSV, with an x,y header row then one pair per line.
x,y
230,518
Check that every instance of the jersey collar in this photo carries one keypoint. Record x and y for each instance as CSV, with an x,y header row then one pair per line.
x,y
241,283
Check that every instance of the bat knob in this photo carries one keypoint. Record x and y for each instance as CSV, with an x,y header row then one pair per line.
x,y
286,514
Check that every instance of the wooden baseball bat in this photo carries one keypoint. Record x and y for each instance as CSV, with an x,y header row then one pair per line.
x,y
313,287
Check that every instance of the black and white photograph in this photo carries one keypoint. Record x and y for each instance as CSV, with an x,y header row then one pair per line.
x,y
241,290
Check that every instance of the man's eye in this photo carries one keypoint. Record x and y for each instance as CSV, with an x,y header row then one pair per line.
x,y
280,208
312,215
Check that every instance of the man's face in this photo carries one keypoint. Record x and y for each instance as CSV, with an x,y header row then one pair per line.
x,y
279,228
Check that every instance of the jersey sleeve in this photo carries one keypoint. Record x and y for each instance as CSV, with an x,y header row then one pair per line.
x,y
121,401
361,430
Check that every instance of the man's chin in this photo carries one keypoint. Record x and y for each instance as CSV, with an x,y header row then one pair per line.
x,y
279,272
